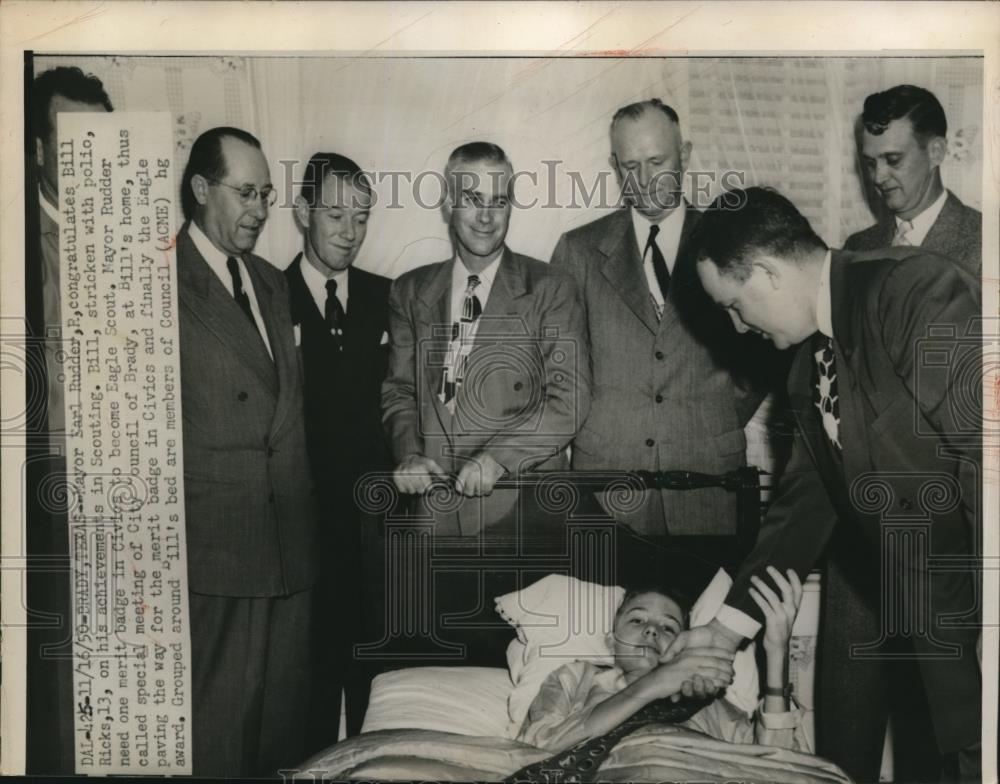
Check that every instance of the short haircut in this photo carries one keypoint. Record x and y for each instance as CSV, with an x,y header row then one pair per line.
x,y
330,164
69,82
743,223
207,160
475,152
681,599
920,106
635,110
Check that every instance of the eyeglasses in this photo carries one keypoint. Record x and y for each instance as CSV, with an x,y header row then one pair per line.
x,y
249,194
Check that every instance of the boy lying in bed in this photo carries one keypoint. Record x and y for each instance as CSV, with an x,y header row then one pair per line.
x,y
582,700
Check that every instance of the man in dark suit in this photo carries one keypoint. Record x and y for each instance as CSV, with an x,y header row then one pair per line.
x,y
49,713
676,398
487,377
903,142
249,503
342,317
888,441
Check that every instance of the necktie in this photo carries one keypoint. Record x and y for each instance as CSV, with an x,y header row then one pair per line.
x,y
825,396
238,293
659,263
461,342
334,314
902,231
581,762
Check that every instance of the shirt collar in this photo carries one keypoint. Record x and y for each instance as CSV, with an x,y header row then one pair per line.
x,y
48,207
460,274
316,283
824,304
922,223
669,226
216,258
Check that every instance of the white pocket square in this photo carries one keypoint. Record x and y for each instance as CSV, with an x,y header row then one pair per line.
x,y
385,339
298,334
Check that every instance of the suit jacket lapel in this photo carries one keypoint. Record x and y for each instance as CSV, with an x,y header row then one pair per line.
x,y
623,269
433,303
217,309
683,275
851,375
281,339
944,230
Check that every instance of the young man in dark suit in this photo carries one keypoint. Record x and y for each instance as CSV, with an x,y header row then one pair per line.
x,y
341,316
889,447
249,502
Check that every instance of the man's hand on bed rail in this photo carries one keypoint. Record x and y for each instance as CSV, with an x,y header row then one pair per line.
x,y
478,475
712,635
415,474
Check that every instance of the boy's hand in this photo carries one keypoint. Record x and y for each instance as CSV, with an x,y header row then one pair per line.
x,y
710,665
779,613
712,635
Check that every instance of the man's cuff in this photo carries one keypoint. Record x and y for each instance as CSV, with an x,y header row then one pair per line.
x,y
737,621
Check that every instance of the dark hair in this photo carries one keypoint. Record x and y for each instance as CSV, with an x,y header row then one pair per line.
x,y
207,160
681,599
69,82
742,223
905,100
635,110
330,164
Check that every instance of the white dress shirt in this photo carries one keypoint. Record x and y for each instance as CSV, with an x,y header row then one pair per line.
x,y
316,283
217,261
668,240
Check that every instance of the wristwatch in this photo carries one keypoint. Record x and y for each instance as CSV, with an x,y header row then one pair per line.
x,y
786,691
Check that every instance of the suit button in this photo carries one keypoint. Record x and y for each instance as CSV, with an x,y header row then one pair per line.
x,y
905,503
659,398
658,355
270,498
270,451
650,442
242,396
518,386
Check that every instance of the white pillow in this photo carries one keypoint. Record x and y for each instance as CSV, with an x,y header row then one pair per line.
x,y
463,700
560,619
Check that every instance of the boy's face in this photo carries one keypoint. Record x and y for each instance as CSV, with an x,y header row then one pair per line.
x,y
644,626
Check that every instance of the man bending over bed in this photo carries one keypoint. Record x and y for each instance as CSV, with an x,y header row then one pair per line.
x,y
581,700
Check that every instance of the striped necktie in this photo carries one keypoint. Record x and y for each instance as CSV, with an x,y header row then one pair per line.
x,y
461,342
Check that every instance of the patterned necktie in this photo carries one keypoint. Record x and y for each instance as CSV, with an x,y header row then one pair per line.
x,y
334,314
581,762
902,231
461,342
825,396
659,263
238,292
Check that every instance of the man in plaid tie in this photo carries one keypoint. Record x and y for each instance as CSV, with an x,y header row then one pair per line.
x,y
488,377
880,422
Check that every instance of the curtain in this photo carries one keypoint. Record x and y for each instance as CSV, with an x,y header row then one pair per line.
x,y
787,122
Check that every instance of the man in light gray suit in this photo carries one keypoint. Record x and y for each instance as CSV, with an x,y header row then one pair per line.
x,y
487,378
249,503
666,392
